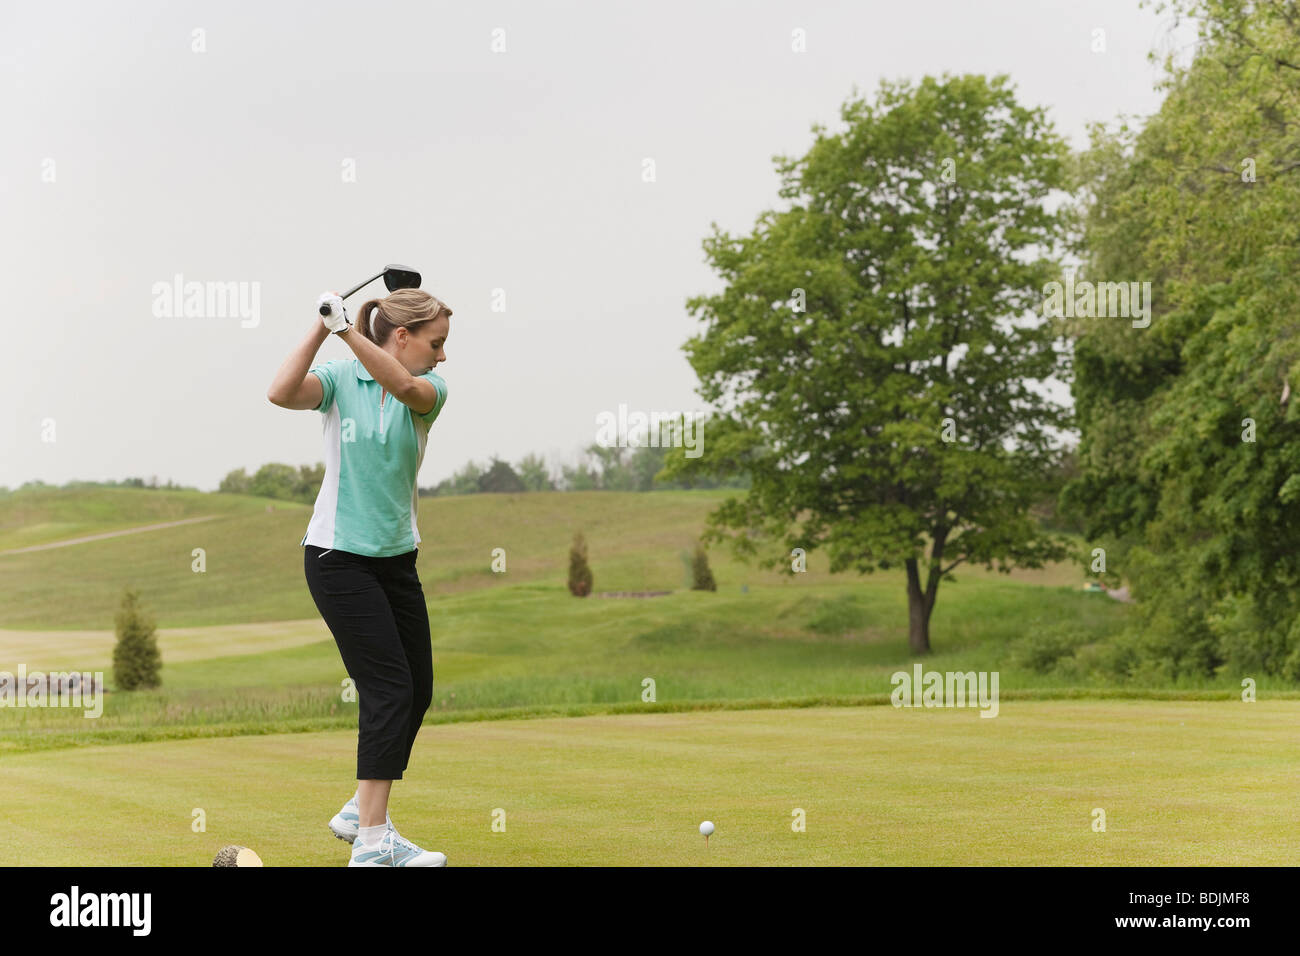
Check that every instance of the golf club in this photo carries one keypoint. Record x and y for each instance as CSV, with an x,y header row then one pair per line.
x,y
395,277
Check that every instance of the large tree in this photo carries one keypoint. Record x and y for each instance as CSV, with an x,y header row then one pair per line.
x,y
875,354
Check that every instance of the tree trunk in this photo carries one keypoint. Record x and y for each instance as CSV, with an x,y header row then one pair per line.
x,y
918,611
921,603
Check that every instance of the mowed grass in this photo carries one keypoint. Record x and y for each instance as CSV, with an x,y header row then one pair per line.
x,y
93,650
532,649
770,695
1181,783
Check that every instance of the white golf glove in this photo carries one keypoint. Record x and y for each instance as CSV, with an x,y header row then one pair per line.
x,y
337,320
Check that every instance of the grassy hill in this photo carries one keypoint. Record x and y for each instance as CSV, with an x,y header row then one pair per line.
x,y
43,515
254,560
245,651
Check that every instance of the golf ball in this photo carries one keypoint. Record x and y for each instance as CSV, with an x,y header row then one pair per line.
x,y
706,828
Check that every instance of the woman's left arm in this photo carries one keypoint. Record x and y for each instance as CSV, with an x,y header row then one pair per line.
x,y
387,371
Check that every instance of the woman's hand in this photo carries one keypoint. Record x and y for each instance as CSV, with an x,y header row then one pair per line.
x,y
337,320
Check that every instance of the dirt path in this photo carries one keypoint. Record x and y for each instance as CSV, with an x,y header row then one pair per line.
x,y
107,534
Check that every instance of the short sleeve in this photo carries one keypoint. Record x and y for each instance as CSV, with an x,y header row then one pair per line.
x,y
441,386
326,372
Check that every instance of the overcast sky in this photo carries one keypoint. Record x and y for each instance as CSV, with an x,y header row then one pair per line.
x,y
217,141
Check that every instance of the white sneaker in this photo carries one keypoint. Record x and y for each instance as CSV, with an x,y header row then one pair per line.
x,y
344,824
394,850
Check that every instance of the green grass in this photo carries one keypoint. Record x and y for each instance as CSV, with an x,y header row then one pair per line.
x,y
878,786
771,694
41,516
536,650
93,650
245,651
254,563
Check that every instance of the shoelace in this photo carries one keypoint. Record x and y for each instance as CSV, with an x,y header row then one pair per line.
x,y
392,838
409,849
386,848
390,843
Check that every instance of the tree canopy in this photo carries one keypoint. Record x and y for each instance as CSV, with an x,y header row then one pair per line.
x,y
875,352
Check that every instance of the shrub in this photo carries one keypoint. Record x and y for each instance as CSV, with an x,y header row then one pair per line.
x,y
701,573
1040,651
136,660
579,571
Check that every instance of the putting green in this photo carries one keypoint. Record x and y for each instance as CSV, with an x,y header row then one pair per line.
x,y
1185,783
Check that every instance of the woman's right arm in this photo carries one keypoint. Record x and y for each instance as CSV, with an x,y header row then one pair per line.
x,y
292,385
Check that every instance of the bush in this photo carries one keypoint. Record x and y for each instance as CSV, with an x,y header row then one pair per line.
x,y
1119,660
1041,651
579,571
703,577
136,660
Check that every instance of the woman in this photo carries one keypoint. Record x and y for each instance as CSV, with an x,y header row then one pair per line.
x,y
361,545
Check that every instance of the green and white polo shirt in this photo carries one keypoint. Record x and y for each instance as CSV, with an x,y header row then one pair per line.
x,y
374,446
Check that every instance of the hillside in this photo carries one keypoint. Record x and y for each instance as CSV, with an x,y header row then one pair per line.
x,y
636,541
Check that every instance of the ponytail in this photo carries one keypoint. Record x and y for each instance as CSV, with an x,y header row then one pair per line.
x,y
404,308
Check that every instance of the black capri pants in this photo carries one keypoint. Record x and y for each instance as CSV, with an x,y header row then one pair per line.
x,y
375,609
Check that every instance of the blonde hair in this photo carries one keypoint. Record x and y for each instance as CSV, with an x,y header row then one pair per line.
x,y
407,308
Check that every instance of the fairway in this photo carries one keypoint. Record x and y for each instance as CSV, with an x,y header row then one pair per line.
x,y
93,650
1181,783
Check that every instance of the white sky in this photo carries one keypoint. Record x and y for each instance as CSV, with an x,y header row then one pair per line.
x,y
519,170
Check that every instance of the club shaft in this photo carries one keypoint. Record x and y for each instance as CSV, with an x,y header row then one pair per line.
x,y
325,309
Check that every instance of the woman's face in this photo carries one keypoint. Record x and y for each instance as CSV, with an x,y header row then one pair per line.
x,y
424,348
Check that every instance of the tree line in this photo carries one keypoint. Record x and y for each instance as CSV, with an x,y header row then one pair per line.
x,y
598,469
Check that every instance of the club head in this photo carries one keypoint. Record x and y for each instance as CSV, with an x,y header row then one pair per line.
x,y
401,277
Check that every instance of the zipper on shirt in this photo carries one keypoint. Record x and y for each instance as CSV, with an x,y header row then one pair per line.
x,y
381,411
